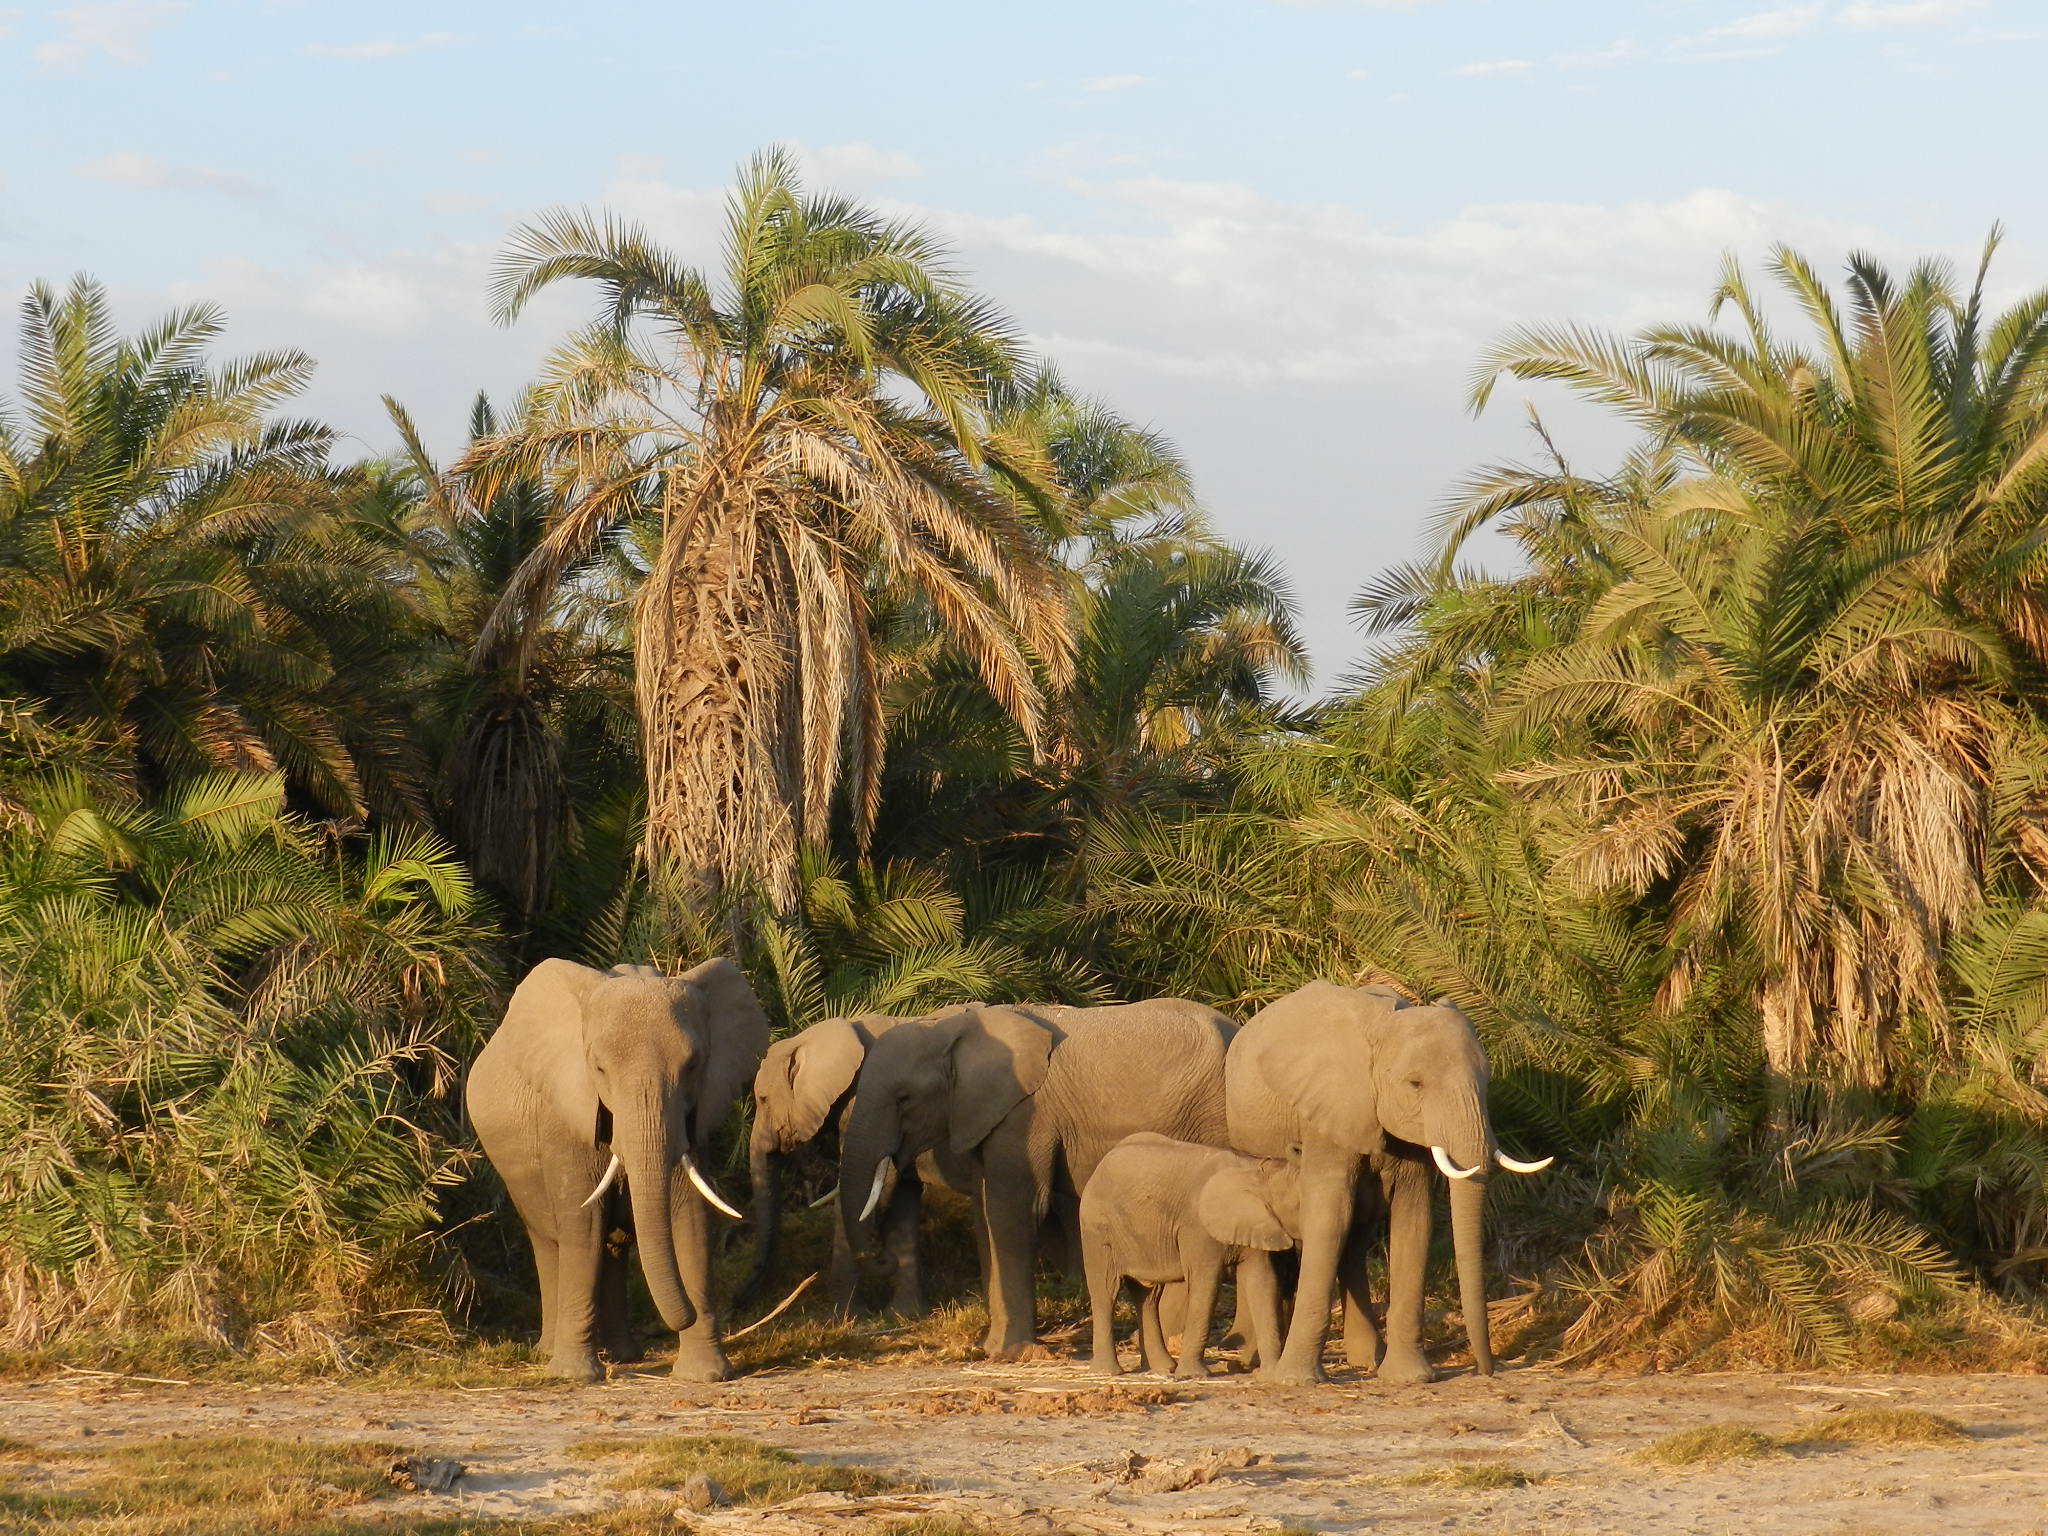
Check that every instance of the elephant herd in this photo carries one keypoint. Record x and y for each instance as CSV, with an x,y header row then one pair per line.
x,y
1162,1142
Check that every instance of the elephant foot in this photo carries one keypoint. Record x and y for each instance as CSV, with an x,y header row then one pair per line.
x,y
1191,1370
701,1362
1106,1365
908,1305
1029,1350
581,1366
1292,1373
1406,1368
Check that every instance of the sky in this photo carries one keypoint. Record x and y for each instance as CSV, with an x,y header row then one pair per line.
x,y
1280,231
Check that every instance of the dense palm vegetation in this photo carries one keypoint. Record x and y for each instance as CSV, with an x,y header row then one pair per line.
x,y
796,610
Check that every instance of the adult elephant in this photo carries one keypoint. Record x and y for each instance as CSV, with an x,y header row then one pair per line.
x,y
803,1094
1030,1100
604,1078
1349,1082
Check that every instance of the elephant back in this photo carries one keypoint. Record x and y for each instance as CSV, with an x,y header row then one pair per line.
x,y
1304,1065
1153,1066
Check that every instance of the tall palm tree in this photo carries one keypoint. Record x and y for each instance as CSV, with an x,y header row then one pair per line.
x,y
177,577
811,417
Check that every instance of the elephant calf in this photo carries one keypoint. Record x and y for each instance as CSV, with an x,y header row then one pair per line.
x,y
1160,1211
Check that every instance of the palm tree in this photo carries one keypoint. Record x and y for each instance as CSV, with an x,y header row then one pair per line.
x,y
1788,712
814,417
177,576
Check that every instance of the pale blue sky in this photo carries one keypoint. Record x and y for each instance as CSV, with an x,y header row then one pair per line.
x,y
1280,232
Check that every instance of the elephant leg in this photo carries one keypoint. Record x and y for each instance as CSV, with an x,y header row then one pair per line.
x,y
614,1317
579,1262
1240,1337
1259,1295
1203,1263
1407,1192
699,1355
1327,1175
1009,1205
1361,1337
1150,1338
1173,1310
842,1281
1103,1284
546,1256
899,1236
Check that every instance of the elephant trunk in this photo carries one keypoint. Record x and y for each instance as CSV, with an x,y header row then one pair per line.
x,y
867,1157
643,1145
1461,1133
763,1174
1468,1200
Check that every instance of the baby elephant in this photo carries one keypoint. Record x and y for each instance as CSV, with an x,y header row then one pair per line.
x,y
1158,1211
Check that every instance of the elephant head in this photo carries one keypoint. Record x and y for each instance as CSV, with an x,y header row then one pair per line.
x,y
1360,1065
1252,1202
947,1081
801,1080
667,1056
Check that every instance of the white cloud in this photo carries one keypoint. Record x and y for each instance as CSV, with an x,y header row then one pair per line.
x,y
1496,67
857,165
1791,21
1904,13
1115,82
116,30
390,48
132,168
1357,74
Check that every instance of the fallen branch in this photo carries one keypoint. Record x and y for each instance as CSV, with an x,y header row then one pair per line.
x,y
161,1381
787,1302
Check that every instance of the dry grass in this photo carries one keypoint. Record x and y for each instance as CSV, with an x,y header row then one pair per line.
x,y
747,1471
1711,1443
1882,1426
1474,1476
1864,1426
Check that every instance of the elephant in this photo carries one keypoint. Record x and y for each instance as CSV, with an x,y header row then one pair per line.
x,y
1350,1081
803,1094
593,1100
1160,1211
1030,1099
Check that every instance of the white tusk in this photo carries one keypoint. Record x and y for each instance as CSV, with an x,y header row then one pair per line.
x,y
704,1188
1514,1166
875,1194
1450,1169
604,1183
824,1200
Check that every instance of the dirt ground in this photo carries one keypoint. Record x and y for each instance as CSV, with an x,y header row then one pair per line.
x,y
1046,1447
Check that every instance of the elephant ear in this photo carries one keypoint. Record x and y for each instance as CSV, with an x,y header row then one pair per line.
x,y
1232,1209
999,1059
735,1038
549,1002
823,1062
1318,1048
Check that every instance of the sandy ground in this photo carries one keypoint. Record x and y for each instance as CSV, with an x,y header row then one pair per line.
x,y
1044,1447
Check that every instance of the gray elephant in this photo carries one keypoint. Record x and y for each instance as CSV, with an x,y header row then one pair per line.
x,y
1030,1100
1160,1211
1338,1078
803,1094
594,1099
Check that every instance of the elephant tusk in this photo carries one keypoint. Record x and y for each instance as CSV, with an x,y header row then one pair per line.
x,y
875,1194
1514,1165
824,1200
604,1183
1450,1169
704,1188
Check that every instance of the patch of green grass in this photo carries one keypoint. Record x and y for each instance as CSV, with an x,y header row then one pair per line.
x,y
223,1483
1710,1443
1474,1475
748,1471
1882,1426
